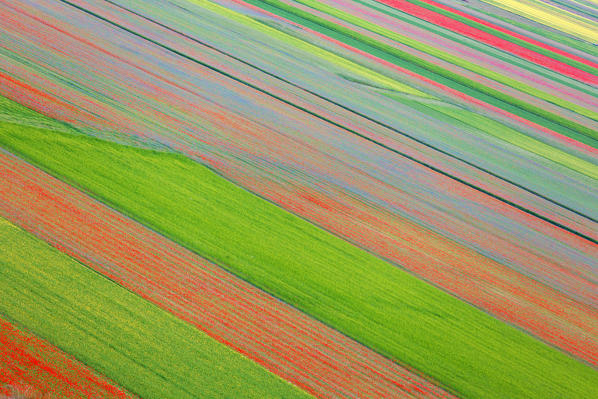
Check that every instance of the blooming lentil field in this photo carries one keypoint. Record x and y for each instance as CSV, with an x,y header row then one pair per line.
x,y
295,198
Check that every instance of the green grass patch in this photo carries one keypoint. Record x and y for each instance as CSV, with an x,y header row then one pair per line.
x,y
138,345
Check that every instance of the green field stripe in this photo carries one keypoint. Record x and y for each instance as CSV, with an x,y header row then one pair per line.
x,y
362,296
430,70
453,59
136,344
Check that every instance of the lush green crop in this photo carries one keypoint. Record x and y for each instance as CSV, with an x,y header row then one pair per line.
x,y
370,300
138,345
